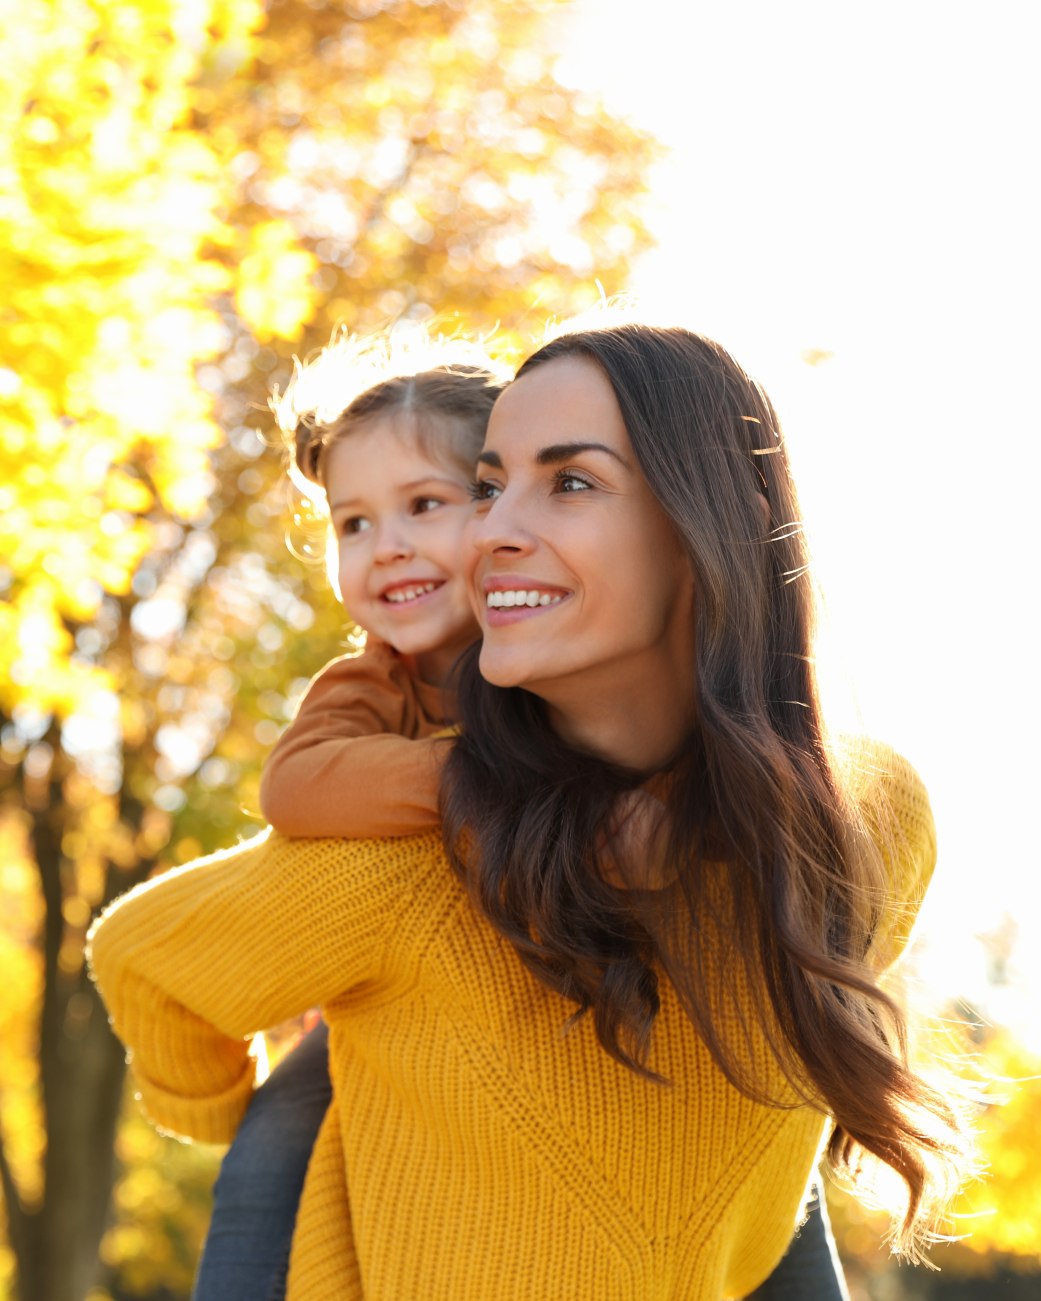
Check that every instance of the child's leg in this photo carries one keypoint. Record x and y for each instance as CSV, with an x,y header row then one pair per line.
x,y
246,1254
811,1269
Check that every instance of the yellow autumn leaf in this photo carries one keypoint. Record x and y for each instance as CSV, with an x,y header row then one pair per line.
x,y
125,493
274,293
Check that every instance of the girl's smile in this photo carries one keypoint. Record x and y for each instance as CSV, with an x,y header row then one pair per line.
x,y
409,591
398,512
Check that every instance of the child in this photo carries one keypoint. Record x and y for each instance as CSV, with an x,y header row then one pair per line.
x,y
392,451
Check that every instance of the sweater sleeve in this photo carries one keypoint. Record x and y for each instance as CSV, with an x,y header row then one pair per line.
x,y
192,964
899,818
347,766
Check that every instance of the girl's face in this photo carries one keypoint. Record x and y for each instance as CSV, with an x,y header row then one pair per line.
x,y
582,586
398,511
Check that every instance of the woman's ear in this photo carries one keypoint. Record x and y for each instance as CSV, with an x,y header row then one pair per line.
x,y
764,509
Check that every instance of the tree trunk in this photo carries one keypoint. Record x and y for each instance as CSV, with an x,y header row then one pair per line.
x,y
82,1069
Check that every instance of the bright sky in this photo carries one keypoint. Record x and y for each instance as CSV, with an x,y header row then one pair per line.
x,y
863,181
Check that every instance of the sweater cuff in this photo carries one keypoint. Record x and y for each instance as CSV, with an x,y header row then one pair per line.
x,y
212,1119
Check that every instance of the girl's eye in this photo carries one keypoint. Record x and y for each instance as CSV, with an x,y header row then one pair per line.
x,y
484,490
423,504
568,481
354,524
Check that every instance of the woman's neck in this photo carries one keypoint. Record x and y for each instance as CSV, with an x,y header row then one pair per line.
x,y
640,725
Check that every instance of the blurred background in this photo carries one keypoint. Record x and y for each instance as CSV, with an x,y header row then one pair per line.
x,y
193,191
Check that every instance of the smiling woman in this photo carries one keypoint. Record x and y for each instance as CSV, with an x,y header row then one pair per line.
x,y
639,474
574,520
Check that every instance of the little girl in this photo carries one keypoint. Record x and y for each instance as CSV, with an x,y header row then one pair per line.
x,y
392,451
394,461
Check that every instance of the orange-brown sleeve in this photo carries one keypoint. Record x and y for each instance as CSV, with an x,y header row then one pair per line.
x,y
346,765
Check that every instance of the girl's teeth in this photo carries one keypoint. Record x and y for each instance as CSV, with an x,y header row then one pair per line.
x,y
531,598
410,593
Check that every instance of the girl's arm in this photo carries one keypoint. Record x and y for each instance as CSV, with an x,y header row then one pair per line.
x,y
345,766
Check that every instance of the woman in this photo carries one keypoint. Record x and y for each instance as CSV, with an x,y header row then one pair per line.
x,y
596,1061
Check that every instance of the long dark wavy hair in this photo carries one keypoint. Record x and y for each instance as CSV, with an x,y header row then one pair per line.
x,y
768,860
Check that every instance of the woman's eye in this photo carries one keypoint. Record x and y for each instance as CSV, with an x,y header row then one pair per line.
x,y
484,490
565,481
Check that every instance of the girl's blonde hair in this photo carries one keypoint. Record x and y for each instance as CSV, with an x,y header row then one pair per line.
x,y
445,386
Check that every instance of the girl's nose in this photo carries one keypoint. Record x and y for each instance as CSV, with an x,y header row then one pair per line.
x,y
392,543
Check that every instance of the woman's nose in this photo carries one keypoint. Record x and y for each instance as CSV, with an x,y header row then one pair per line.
x,y
502,529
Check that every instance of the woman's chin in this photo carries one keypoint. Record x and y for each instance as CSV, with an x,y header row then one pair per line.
x,y
509,666
501,670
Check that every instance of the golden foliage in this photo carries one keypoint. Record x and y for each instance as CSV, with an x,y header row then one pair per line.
x,y
174,160
1002,1213
108,199
161,1207
275,292
996,1220
21,979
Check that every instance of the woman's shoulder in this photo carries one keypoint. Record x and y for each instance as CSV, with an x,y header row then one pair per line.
x,y
270,845
890,801
883,781
388,855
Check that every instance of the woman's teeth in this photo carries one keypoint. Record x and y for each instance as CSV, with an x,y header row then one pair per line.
x,y
507,600
400,594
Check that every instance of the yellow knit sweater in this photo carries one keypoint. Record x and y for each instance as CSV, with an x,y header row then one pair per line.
x,y
491,1156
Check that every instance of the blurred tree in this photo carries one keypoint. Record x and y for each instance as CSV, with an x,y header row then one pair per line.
x,y
996,1223
189,188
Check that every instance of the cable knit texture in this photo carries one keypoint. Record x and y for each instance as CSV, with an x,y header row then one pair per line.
x,y
492,1156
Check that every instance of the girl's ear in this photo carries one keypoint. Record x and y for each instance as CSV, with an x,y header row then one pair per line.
x,y
764,508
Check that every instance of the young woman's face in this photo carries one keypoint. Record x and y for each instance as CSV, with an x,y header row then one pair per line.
x,y
398,512
579,578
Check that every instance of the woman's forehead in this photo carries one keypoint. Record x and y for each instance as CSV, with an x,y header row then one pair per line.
x,y
565,400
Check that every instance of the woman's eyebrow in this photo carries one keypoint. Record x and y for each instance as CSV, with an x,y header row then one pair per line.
x,y
554,454
558,452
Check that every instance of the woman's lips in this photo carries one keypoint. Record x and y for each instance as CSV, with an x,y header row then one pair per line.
x,y
507,602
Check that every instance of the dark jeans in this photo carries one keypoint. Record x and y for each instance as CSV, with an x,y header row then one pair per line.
x,y
811,1270
246,1256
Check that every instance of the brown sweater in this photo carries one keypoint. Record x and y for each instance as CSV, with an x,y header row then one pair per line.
x,y
361,758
